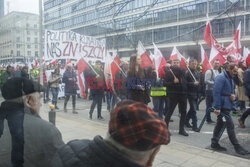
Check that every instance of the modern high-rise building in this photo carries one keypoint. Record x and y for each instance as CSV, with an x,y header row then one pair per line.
x,y
1,8
19,34
167,23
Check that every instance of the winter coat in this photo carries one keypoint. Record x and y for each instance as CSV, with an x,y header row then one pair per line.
x,y
86,153
246,81
136,93
223,87
192,90
174,89
41,141
96,84
70,85
54,80
240,88
120,84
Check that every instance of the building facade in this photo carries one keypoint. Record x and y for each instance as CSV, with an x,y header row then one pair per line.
x,y
19,37
1,8
167,23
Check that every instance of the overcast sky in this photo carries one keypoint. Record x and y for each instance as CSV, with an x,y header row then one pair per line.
x,y
23,6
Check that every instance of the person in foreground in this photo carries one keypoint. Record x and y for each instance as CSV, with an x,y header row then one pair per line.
x,y
34,141
224,96
134,137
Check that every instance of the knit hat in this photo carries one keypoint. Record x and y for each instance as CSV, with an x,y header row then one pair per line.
x,y
137,126
17,87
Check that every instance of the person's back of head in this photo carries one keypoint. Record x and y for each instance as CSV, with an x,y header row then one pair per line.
x,y
136,131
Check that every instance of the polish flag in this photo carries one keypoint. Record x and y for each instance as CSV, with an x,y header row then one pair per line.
x,y
145,58
204,61
234,49
108,72
176,55
115,67
54,62
160,62
215,54
246,53
81,67
36,66
69,61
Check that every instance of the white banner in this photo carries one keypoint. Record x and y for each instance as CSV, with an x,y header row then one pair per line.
x,y
70,45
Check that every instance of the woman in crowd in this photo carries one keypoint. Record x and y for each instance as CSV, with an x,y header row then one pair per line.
x,y
136,85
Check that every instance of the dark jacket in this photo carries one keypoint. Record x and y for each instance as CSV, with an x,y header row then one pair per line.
x,y
96,84
86,153
41,140
120,84
70,85
136,93
246,81
223,87
192,90
176,88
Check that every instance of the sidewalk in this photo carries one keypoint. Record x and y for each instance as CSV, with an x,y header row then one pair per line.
x,y
173,155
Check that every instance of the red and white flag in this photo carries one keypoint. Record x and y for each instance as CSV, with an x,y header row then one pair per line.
x,y
204,61
176,55
81,67
54,62
145,58
160,62
115,66
69,61
246,53
108,73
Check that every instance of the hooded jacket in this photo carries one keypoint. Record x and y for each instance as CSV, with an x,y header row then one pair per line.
x,y
86,153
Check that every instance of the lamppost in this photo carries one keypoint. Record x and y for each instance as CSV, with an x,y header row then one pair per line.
x,y
41,39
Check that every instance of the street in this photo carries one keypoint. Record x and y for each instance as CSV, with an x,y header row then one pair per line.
x,y
201,140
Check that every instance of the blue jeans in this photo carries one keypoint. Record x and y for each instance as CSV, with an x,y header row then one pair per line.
x,y
46,93
15,123
192,111
158,103
209,103
55,95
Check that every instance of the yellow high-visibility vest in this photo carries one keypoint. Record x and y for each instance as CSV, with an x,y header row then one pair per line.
x,y
158,91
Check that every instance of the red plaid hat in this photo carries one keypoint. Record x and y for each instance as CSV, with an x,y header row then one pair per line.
x,y
137,126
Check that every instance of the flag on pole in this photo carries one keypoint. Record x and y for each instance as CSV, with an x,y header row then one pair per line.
x,y
176,55
69,61
145,58
160,62
81,67
115,67
204,61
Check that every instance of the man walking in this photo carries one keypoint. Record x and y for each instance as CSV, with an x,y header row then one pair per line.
x,y
175,82
224,96
209,81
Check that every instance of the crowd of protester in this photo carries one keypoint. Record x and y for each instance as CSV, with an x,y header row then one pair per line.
x,y
135,143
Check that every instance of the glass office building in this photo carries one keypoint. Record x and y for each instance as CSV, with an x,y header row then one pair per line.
x,y
1,8
164,22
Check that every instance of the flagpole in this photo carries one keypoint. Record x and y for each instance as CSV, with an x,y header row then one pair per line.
x,y
120,68
191,74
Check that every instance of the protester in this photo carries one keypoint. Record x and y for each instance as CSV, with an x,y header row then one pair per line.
x,y
177,93
8,74
46,86
97,87
18,72
70,80
241,97
126,143
246,82
210,76
54,81
192,78
120,82
224,96
138,91
25,72
34,141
